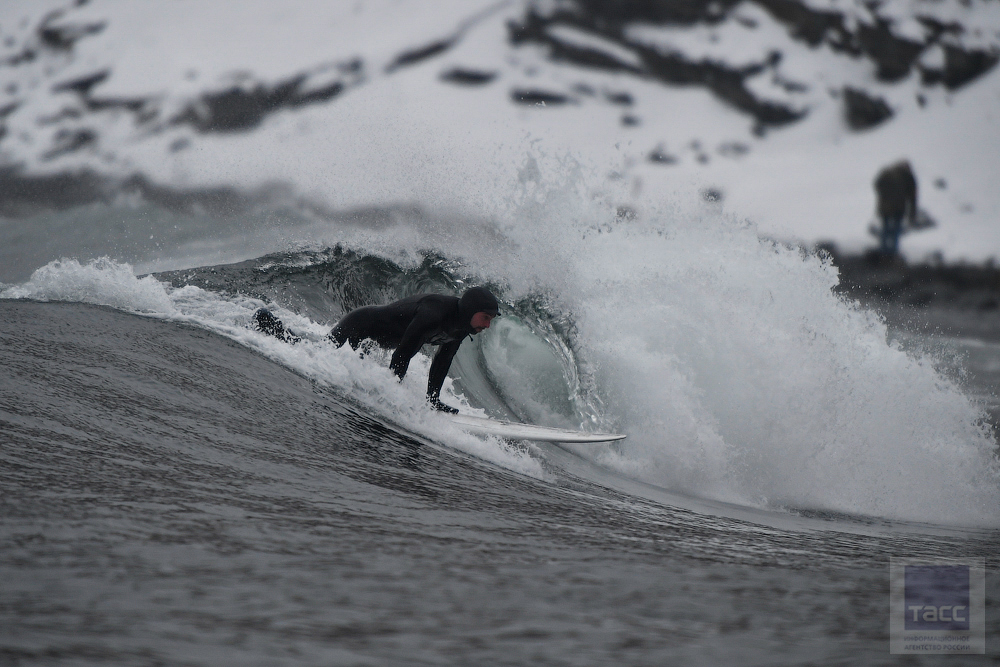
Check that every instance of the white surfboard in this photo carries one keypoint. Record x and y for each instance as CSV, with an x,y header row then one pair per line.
x,y
516,431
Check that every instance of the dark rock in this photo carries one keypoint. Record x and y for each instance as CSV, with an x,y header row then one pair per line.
x,y
70,141
63,37
894,57
238,109
621,99
25,56
614,14
562,51
420,54
659,155
468,77
235,109
317,95
52,37
809,25
137,106
961,67
727,84
8,109
606,21
863,111
83,85
539,97
937,28
533,29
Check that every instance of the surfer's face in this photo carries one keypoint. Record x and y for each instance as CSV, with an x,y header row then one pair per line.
x,y
481,321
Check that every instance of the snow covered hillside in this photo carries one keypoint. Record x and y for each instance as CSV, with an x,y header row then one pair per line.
x,y
777,111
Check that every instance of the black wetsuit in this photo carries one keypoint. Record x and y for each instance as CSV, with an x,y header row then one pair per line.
x,y
408,324
405,326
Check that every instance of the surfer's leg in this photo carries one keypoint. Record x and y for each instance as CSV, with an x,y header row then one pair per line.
x,y
265,322
352,328
338,336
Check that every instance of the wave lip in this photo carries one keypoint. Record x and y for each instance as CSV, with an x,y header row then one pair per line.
x,y
740,374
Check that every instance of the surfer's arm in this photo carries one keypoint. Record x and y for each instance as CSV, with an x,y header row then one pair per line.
x,y
414,336
439,369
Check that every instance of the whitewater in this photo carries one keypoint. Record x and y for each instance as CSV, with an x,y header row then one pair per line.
x,y
180,488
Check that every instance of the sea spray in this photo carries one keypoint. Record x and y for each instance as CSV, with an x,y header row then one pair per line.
x,y
740,375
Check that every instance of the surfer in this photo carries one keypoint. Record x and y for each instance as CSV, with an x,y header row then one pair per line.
x,y
406,325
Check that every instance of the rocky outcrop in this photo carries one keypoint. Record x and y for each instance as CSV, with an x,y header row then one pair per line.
x,y
729,84
893,57
539,97
242,108
960,67
862,111
468,77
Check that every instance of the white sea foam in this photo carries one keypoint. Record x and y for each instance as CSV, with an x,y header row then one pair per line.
x,y
739,375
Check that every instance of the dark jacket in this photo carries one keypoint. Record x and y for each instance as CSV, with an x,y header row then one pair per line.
x,y
897,191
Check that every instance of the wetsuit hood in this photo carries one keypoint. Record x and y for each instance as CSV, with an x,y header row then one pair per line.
x,y
477,300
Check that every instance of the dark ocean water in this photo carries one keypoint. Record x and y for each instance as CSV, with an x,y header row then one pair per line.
x,y
172,497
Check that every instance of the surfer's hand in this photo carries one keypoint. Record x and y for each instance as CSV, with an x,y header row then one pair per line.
x,y
442,407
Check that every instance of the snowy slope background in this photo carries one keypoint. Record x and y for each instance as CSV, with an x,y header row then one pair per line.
x,y
773,111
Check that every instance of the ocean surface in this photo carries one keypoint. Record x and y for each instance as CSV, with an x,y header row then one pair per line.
x,y
181,489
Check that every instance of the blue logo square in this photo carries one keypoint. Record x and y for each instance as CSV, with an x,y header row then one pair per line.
x,y
937,597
